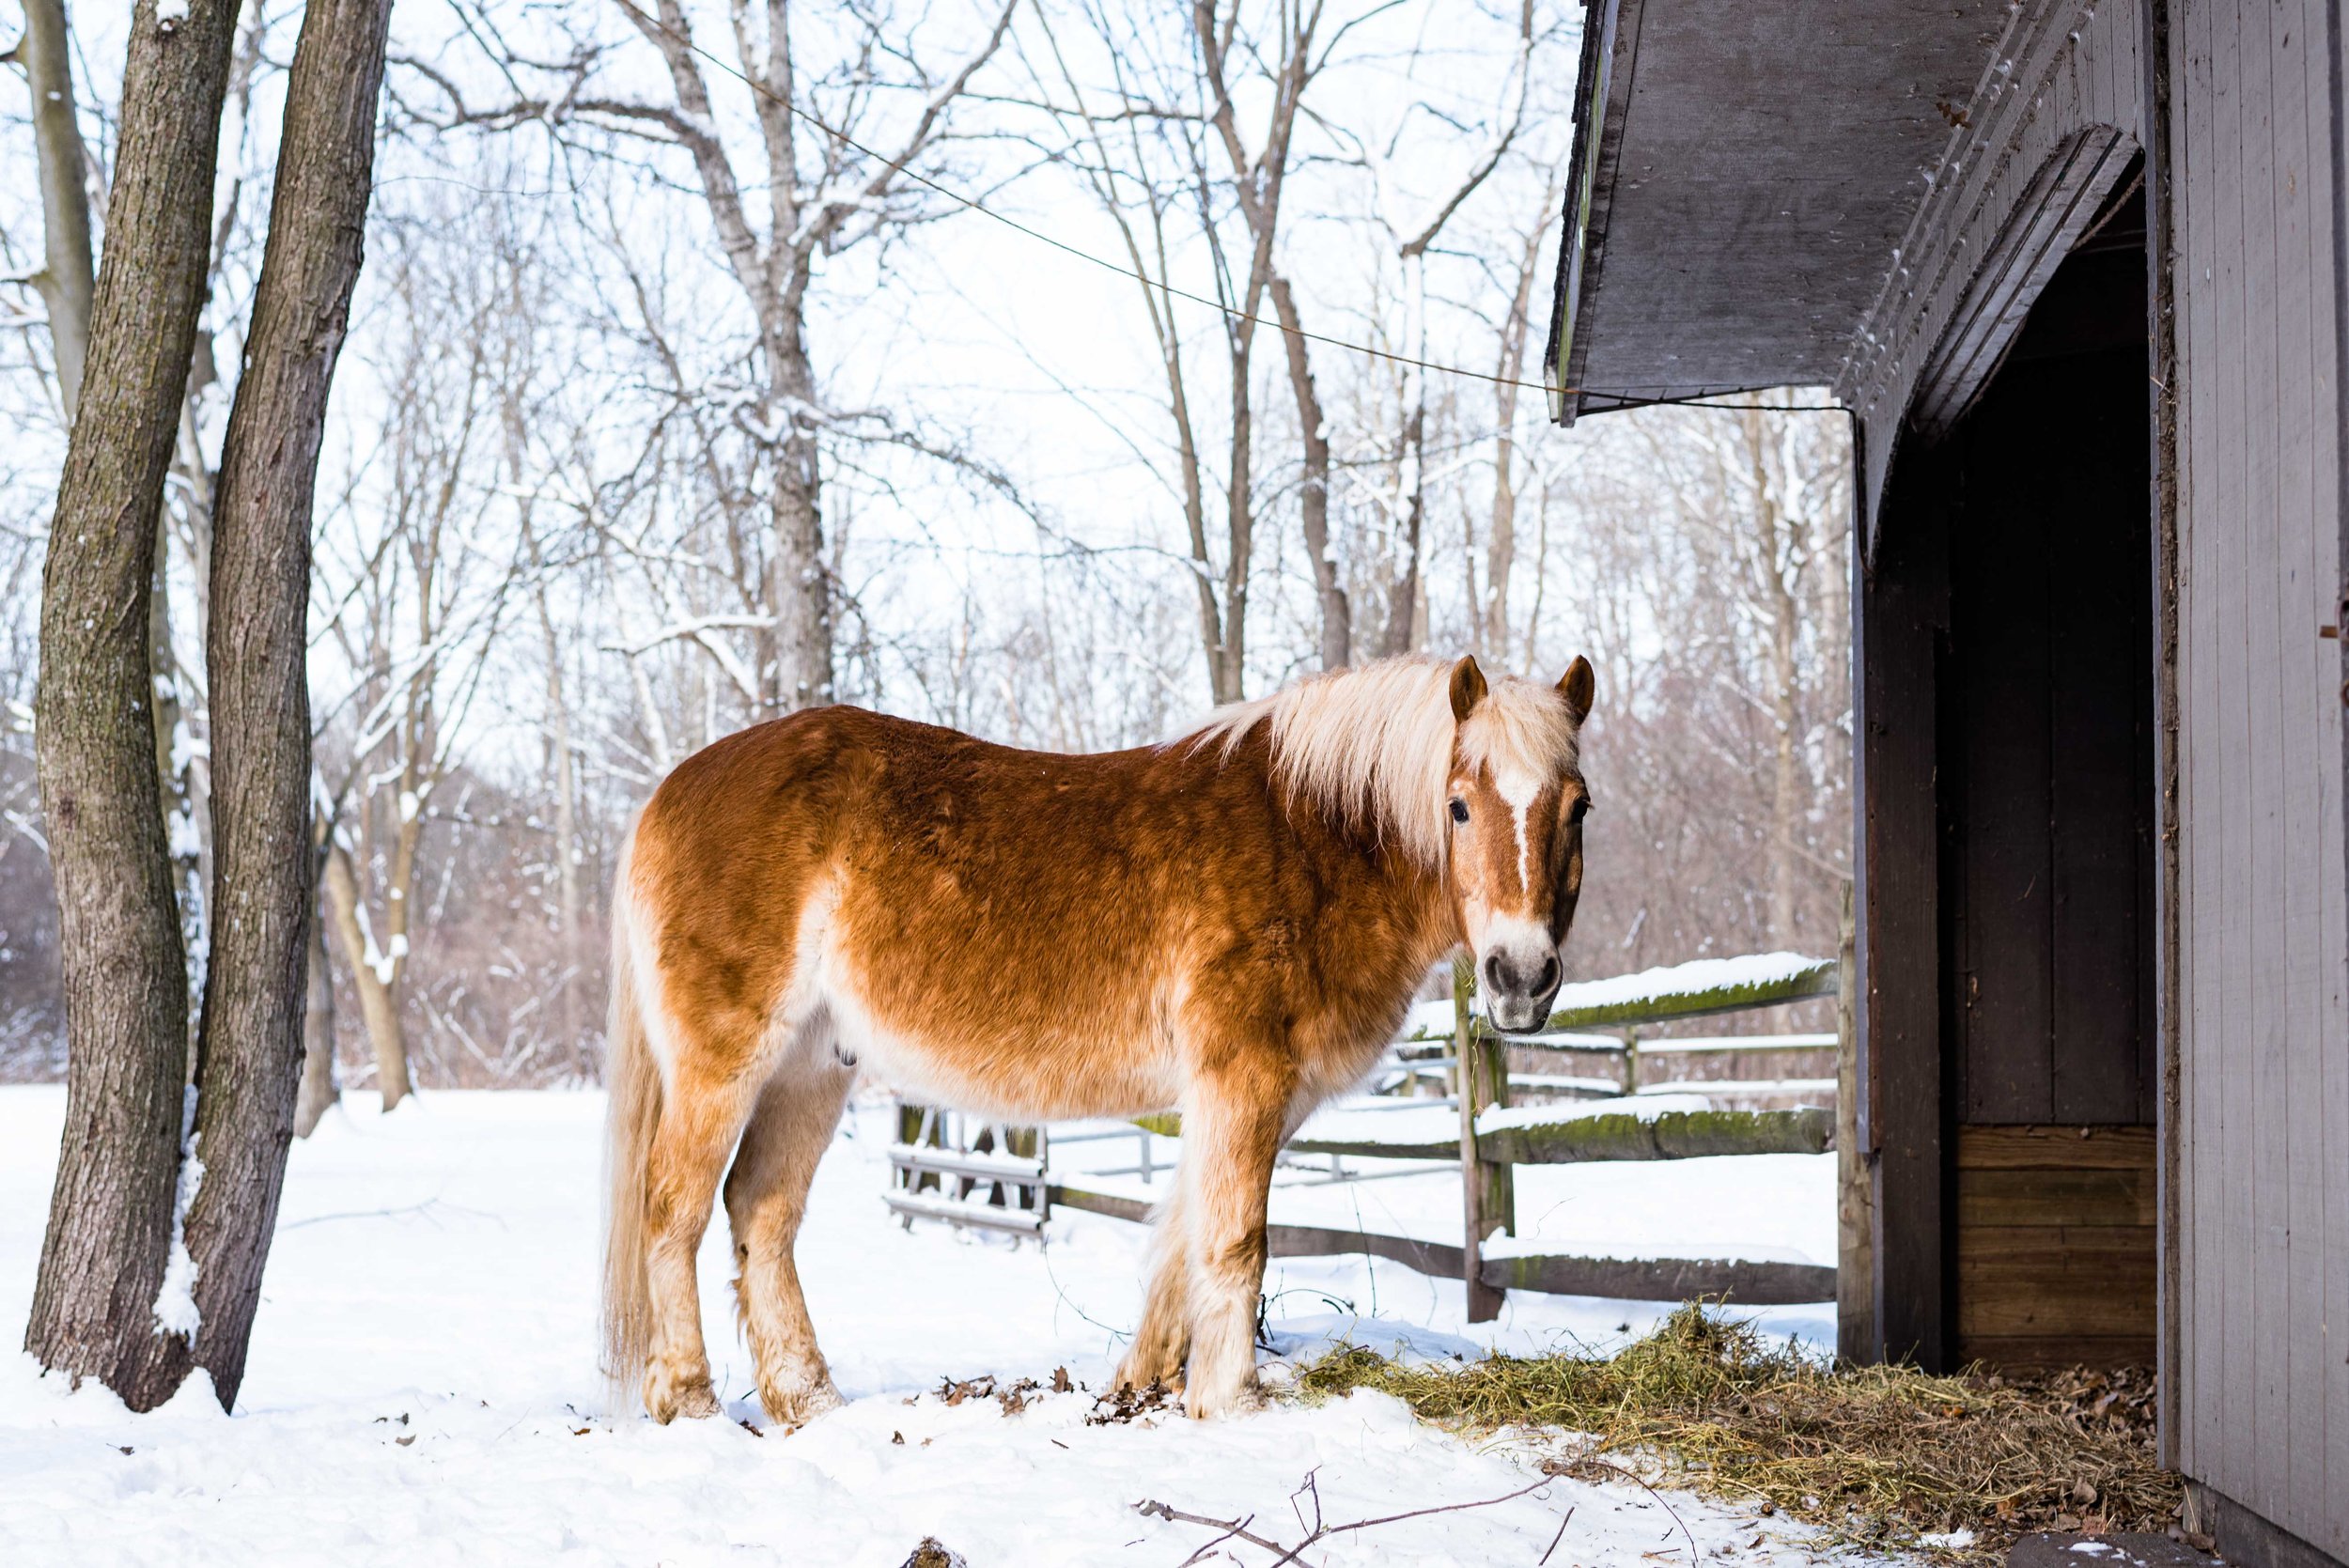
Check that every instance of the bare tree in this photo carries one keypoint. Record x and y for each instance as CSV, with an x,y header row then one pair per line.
x,y
249,1052
1145,155
825,192
414,622
113,1221
67,279
1413,240
1500,549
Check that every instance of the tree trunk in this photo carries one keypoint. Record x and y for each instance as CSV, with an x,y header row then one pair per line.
x,y
1401,631
1228,667
799,587
1787,785
318,1089
566,797
125,982
251,1049
378,1004
65,280
1500,549
1337,614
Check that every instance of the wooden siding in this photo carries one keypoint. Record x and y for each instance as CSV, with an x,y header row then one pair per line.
x,y
2059,69
2263,1151
2054,1245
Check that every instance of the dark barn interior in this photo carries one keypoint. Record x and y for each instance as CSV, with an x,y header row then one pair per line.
x,y
2023,532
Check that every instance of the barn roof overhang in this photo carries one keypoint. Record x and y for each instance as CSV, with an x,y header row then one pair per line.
x,y
1742,180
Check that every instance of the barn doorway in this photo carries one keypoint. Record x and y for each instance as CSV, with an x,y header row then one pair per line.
x,y
2008,659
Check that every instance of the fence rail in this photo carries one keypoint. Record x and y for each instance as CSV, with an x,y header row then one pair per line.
x,y
1477,1130
1583,1139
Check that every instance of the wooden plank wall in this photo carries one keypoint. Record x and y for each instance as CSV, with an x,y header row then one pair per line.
x,y
2054,1245
2263,1151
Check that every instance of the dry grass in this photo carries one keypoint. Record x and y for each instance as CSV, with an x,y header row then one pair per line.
x,y
1876,1454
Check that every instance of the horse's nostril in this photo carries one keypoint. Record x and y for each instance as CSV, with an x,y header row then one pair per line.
x,y
1549,977
1493,977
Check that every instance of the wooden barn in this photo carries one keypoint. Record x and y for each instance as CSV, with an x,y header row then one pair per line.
x,y
2078,269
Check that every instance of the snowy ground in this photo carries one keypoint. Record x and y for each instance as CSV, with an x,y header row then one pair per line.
x,y
422,1386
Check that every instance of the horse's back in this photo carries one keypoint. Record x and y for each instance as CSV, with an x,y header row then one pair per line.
x,y
1009,926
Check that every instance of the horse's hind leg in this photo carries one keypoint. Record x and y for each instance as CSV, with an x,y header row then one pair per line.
x,y
1159,1344
701,1117
1231,1135
766,1198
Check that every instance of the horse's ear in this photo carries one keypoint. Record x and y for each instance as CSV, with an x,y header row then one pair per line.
x,y
1468,688
1579,686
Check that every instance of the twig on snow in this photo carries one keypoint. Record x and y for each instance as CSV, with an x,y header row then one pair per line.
x,y
1230,1528
1237,1529
1593,1461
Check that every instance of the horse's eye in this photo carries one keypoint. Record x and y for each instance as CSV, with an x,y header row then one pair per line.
x,y
1582,809
1460,811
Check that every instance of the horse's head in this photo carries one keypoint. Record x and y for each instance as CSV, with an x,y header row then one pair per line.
x,y
1516,799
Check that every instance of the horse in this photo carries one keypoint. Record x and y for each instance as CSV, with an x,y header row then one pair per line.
x,y
1231,924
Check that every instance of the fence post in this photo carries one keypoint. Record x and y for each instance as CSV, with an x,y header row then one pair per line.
x,y
1855,1198
1631,1060
1488,1190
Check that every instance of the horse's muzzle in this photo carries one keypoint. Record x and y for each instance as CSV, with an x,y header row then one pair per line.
x,y
1518,989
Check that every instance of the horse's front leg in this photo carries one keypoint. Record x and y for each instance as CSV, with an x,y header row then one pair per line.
x,y
1231,1133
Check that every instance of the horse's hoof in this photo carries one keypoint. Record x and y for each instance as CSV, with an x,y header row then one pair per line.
x,y
1138,1370
797,1406
1203,1405
665,1399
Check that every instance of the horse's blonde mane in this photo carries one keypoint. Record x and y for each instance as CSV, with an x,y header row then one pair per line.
x,y
1373,744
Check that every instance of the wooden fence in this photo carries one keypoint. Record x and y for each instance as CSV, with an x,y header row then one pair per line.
x,y
1491,1138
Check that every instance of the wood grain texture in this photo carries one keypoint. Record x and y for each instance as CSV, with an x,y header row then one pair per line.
x,y
2054,1198
2058,1148
2264,1146
2056,1246
2042,1352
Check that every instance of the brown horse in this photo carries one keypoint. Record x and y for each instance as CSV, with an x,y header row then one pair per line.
x,y
1232,923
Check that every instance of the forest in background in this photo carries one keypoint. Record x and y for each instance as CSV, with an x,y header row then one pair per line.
x,y
668,408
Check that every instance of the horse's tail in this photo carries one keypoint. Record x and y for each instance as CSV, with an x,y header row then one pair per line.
x,y
632,1082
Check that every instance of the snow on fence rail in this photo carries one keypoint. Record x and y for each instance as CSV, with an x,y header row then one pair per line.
x,y
1480,1131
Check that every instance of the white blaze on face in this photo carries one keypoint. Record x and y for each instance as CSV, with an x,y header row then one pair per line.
x,y
1520,789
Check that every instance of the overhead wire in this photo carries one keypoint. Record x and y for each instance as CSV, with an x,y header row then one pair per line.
x,y
687,42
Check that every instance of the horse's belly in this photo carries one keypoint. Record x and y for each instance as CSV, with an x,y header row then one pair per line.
x,y
1027,1079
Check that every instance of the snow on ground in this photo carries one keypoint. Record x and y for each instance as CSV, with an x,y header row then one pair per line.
x,y
423,1387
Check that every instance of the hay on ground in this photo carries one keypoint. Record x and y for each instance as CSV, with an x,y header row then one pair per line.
x,y
1885,1455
